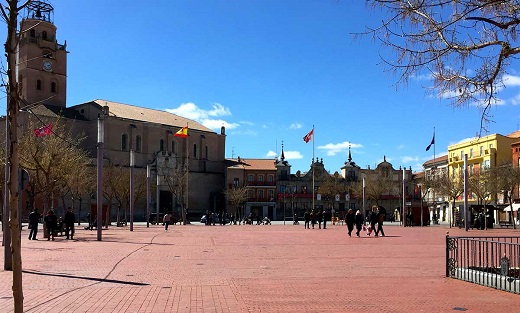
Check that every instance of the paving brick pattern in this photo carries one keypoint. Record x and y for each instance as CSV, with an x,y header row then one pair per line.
x,y
271,268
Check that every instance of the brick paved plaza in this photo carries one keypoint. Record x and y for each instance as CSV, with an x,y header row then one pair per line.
x,y
271,268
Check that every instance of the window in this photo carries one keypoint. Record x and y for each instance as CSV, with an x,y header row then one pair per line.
x,y
138,144
270,195
270,178
250,193
462,155
124,142
195,151
260,178
471,169
486,164
161,145
53,87
174,148
260,194
32,33
250,178
490,147
38,84
236,182
282,188
481,150
44,35
471,152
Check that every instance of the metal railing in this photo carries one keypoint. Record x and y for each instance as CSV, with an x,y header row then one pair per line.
x,y
488,261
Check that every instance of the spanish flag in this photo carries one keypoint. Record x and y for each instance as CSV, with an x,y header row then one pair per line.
x,y
183,132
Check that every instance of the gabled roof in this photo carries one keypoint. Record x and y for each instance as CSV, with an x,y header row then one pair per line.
x,y
255,164
131,112
515,134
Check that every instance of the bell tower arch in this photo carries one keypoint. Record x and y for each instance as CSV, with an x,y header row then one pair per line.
x,y
42,61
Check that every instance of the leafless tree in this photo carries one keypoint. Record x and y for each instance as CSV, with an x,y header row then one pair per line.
x,y
466,46
9,14
176,180
236,196
452,188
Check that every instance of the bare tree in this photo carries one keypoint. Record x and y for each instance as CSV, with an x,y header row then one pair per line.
x,y
236,196
452,188
508,181
332,186
466,46
9,14
176,180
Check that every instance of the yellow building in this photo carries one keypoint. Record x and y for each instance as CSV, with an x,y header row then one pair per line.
x,y
484,152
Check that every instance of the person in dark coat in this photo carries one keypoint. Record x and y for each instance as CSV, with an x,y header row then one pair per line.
x,y
373,219
34,219
69,220
381,212
313,218
349,220
325,217
359,222
307,218
51,223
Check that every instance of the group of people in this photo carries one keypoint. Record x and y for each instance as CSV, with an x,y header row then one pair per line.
x,y
312,218
376,217
53,224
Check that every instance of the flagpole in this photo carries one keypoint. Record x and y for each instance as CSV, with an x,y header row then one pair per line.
x,y
187,177
313,195
434,170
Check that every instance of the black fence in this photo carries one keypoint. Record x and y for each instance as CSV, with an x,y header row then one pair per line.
x,y
488,261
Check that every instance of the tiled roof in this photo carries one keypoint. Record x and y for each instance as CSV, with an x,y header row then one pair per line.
x,y
441,159
132,112
515,134
55,111
257,164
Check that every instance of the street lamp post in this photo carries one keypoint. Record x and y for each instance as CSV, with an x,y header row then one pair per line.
x,y
101,137
148,195
132,163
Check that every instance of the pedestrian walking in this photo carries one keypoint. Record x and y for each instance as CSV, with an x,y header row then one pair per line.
x,y
69,220
325,217
34,219
373,219
167,218
307,219
313,218
319,218
349,220
51,223
381,212
359,222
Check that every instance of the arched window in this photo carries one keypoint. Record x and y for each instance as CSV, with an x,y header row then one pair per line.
x,y
53,87
161,145
44,35
138,144
195,151
124,142
38,84
173,146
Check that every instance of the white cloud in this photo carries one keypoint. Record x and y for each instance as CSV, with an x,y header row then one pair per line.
x,y
289,155
515,100
207,118
216,124
510,80
295,126
409,159
401,147
334,148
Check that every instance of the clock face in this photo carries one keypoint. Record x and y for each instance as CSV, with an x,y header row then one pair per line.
x,y
47,65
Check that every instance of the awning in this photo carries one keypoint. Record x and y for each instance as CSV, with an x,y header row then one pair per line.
x,y
516,206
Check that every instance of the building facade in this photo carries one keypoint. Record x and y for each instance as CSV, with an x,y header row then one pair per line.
x,y
148,133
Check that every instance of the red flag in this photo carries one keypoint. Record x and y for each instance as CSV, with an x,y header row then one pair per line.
x,y
309,136
43,131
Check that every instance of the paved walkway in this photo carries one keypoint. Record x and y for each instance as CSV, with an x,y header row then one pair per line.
x,y
272,268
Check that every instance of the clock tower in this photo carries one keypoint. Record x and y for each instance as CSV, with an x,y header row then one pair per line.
x,y
42,61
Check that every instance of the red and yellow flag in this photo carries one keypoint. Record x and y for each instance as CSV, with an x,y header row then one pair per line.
x,y
183,132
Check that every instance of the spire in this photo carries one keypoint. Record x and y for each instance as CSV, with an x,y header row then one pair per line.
x,y
349,156
282,157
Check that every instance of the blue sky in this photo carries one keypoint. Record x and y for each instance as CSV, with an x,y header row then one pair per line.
x,y
268,70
